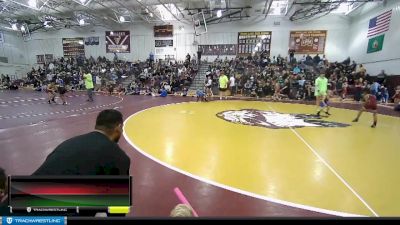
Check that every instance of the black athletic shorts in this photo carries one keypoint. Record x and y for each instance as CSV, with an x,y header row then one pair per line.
x,y
223,89
62,90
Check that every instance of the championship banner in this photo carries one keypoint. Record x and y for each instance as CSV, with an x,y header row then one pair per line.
x,y
164,31
73,47
228,49
375,44
164,43
118,42
40,59
248,41
308,42
48,58
92,41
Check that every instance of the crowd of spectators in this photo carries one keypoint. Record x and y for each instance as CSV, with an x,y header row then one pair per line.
x,y
256,76
143,77
280,77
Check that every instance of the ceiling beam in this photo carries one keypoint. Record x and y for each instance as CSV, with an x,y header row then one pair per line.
x,y
290,6
265,6
354,8
333,2
132,11
159,1
180,11
269,7
93,14
106,7
149,8
223,16
215,9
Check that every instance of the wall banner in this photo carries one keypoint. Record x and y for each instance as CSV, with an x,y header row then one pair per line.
x,y
308,42
118,42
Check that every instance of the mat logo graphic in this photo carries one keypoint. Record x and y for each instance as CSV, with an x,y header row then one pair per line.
x,y
275,120
9,220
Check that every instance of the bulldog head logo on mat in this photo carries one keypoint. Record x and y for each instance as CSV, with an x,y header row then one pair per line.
x,y
275,120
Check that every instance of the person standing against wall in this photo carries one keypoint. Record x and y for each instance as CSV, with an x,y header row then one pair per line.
x,y
232,85
151,59
208,86
199,53
88,78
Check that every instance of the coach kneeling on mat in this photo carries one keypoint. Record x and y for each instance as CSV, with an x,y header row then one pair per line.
x,y
94,153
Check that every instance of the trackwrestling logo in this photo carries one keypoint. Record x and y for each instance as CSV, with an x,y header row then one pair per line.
x,y
33,220
275,120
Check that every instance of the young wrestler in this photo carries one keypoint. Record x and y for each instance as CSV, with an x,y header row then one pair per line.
x,y
371,105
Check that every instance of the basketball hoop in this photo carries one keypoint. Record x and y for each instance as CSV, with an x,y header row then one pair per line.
x,y
199,23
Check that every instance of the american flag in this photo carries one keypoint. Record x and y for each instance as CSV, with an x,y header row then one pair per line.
x,y
379,24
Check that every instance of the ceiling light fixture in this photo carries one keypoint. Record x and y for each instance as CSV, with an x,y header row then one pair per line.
x,y
83,2
32,3
47,24
122,19
219,13
81,22
23,28
14,26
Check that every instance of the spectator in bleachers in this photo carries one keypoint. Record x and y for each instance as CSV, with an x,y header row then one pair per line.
x,y
346,61
232,85
316,59
375,87
200,95
163,93
296,69
396,99
384,94
361,71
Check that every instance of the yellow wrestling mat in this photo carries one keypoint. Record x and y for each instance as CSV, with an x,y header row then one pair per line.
x,y
274,151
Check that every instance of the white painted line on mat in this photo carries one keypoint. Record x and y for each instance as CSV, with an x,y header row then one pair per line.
x,y
229,188
330,168
334,172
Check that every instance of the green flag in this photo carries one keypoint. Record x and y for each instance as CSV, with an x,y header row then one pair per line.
x,y
375,44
